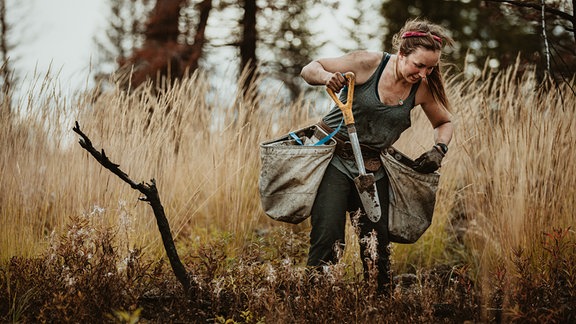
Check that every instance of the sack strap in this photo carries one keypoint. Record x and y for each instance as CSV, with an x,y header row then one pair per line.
x,y
320,142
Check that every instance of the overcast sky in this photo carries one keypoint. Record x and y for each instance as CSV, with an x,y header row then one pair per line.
x,y
56,33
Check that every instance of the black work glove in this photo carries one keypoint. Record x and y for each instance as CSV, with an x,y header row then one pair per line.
x,y
429,161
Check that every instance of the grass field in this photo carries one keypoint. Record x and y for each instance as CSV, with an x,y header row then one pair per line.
x,y
77,245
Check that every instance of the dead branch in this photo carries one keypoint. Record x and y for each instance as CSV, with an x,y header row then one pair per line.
x,y
151,196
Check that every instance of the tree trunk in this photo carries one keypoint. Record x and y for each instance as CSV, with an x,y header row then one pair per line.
x,y
163,23
196,49
574,23
160,55
248,57
5,68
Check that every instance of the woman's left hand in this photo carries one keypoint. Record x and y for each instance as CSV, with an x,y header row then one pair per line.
x,y
429,161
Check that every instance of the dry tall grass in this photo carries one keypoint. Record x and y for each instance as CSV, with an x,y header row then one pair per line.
x,y
513,176
201,146
507,179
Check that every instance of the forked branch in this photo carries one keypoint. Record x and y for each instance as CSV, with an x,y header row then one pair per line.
x,y
151,195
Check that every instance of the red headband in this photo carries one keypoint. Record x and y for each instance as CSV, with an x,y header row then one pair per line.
x,y
420,34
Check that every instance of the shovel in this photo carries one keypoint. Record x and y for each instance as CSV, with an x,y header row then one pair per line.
x,y
365,183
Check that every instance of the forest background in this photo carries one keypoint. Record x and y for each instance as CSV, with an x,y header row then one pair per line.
x,y
281,37
186,89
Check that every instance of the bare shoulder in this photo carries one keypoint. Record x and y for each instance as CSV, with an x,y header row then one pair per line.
x,y
366,59
362,63
365,63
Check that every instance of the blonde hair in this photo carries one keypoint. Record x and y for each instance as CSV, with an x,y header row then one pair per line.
x,y
431,37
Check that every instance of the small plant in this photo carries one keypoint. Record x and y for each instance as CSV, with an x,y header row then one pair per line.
x,y
127,317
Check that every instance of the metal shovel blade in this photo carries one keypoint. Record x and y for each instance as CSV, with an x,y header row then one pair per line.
x,y
365,182
366,186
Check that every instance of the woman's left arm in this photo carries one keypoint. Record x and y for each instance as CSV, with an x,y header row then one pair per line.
x,y
439,117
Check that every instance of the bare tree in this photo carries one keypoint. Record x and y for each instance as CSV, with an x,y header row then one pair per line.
x,y
557,19
164,54
159,54
125,32
550,7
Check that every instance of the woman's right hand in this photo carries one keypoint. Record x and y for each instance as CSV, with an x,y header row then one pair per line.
x,y
336,82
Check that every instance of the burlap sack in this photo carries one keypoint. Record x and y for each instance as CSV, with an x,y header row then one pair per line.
x,y
412,199
291,173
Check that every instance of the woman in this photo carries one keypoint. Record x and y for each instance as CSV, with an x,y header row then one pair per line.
x,y
388,86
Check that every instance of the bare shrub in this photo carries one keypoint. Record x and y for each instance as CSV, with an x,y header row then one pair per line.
x,y
81,278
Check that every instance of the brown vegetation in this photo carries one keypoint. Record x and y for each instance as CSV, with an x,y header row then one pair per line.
x,y
76,246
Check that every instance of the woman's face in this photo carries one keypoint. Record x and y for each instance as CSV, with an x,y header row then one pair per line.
x,y
418,64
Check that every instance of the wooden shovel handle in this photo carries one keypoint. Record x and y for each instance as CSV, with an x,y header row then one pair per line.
x,y
345,108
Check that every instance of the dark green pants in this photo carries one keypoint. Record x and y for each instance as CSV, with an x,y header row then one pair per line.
x,y
337,194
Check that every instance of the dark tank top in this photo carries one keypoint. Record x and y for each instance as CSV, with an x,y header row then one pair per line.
x,y
378,125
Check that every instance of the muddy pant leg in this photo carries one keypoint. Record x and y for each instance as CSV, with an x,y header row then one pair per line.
x,y
381,229
328,217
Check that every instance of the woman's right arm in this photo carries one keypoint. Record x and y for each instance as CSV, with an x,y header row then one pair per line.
x,y
316,74
328,71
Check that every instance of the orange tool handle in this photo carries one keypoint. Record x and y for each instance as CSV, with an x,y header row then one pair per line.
x,y
345,108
